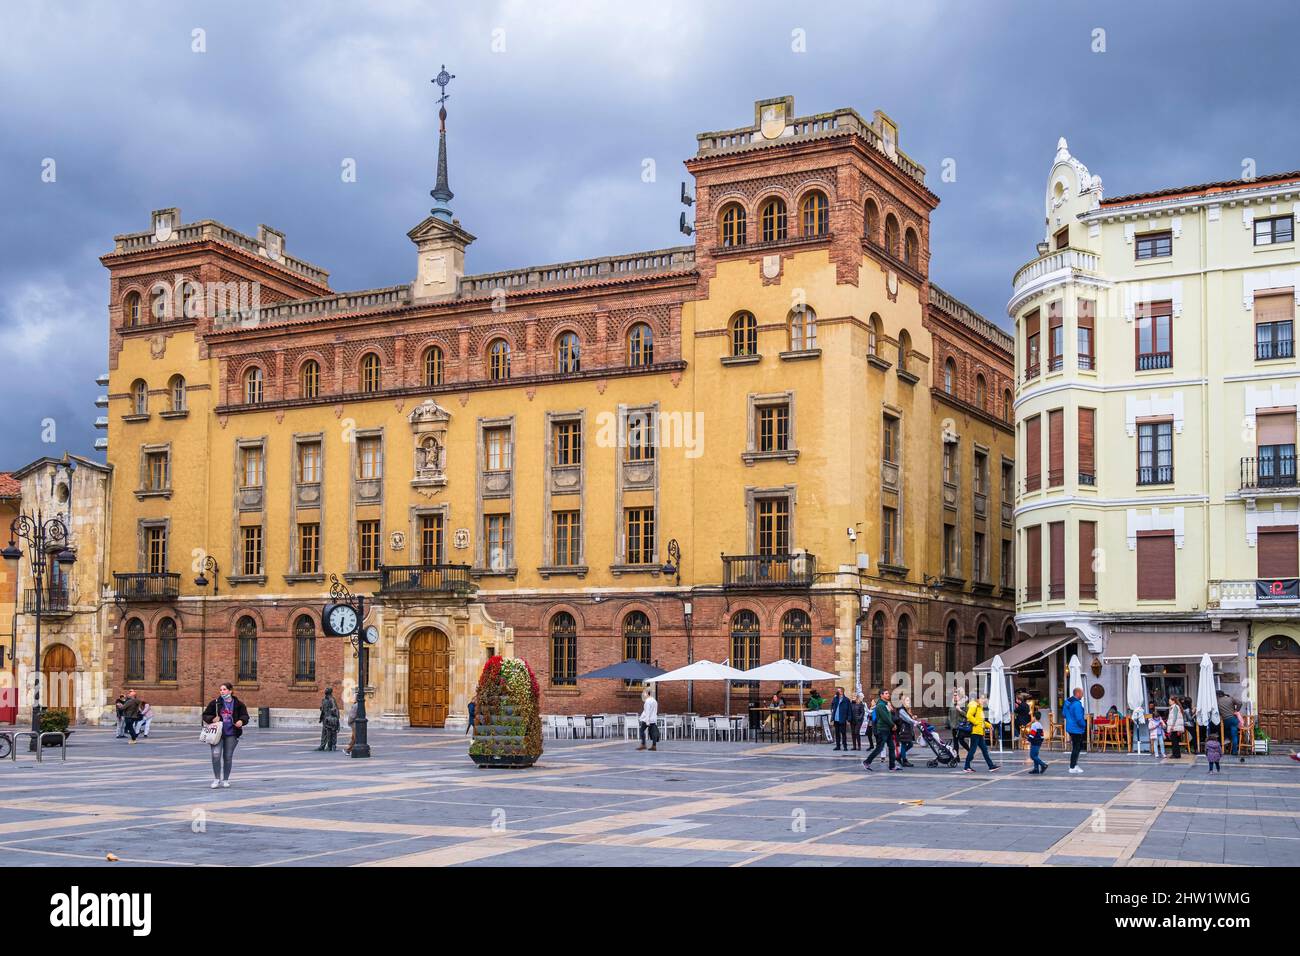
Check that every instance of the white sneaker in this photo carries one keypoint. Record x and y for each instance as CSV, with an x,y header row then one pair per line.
x,y
215,784
226,783
1076,770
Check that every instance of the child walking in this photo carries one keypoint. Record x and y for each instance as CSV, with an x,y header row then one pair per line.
x,y
1156,726
1213,754
1036,744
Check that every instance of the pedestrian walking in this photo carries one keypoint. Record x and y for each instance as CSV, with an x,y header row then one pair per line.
x,y
907,729
1213,754
1176,724
841,716
858,716
329,721
870,728
473,708
1023,715
975,717
1035,738
131,713
1076,725
121,720
957,719
146,718
232,713
1156,730
884,726
649,720
352,726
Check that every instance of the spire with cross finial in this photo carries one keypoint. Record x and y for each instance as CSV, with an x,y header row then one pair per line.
x,y
441,192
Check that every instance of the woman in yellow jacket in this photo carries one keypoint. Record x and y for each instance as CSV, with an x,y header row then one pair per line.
x,y
975,717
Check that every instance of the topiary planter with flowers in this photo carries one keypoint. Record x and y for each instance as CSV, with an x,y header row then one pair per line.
x,y
507,715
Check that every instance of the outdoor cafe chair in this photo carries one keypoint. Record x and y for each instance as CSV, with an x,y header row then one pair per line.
x,y
722,726
577,726
701,725
597,725
631,726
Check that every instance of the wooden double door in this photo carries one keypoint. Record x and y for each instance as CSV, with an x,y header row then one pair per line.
x,y
429,681
1278,676
59,669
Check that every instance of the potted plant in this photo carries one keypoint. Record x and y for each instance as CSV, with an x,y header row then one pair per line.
x,y
54,722
507,715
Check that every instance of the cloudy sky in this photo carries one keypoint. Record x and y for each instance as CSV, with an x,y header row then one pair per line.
x,y
555,108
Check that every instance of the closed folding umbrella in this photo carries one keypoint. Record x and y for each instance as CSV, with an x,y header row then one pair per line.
x,y
1207,703
999,700
1137,698
1076,674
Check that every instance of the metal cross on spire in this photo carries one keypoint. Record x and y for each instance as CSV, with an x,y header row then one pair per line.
x,y
441,192
442,79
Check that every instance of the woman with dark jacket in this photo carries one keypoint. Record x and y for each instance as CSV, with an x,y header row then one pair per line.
x,y
905,724
858,715
957,717
232,713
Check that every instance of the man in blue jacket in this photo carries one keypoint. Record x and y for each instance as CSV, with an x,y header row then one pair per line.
x,y
1076,725
841,715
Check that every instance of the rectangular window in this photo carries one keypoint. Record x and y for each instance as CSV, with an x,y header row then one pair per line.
x,y
640,437
496,536
1056,560
979,568
430,540
567,439
773,428
981,476
1086,333
1031,345
1034,563
1274,325
1056,447
1274,230
889,442
1275,437
370,458
1153,245
1087,453
888,535
1055,336
309,548
309,463
1154,331
1087,570
1008,483
1008,568
252,464
158,471
950,550
639,528
167,657
772,525
496,449
1155,453
948,451
251,562
568,538
1063,238
1033,453
1155,566
1278,552
155,550
368,545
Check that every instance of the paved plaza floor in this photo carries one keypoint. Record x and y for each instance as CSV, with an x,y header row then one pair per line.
x,y
421,802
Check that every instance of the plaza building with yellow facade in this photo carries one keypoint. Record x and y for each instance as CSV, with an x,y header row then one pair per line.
x,y
1156,408
778,441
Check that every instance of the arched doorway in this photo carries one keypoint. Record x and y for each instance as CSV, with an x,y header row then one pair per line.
x,y
59,666
1278,675
428,687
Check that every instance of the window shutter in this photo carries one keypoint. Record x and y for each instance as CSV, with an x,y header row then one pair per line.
x,y
1087,461
1056,558
1087,543
1055,446
1275,307
1033,453
1155,566
1279,552
1275,428
1034,562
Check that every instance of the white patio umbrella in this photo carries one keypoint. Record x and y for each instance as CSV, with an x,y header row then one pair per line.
x,y
999,700
702,670
1136,694
1076,680
1207,704
788,672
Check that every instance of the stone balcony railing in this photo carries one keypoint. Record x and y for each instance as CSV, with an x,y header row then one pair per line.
x,y
1256,594
674,259
1059,260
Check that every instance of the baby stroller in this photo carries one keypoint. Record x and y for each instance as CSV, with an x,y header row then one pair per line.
x,y
944,755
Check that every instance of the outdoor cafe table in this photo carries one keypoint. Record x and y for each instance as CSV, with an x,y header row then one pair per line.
x,y
782,717
813,719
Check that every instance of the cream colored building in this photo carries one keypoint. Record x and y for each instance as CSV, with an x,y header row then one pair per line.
x,y
1156,404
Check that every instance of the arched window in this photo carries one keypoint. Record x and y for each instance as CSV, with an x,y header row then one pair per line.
x,y
246,631
499,360
871,222
891,235
981,392
309,379
874,331
950,648
744,334
253,386
1009,636
744,644
564,650
567,353
904,347
370,372
304,649
902,640
640,346
193,300
981,642
796,636
815,214
950,376
878,651
1007,405
131,310
176,389
167,649
636,641
803,328
773,220
135,649
160,303
432,366
733,225
911,248
139,397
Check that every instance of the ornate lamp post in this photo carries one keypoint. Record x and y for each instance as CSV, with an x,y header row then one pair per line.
x,y
674,567
46,538
342,617
207,566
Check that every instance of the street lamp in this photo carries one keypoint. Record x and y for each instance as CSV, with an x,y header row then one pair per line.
x,y
343,616
208,565
46,538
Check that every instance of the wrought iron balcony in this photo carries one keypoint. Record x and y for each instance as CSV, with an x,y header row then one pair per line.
x,y
1277,472
768,570
419,580
53,603
146,586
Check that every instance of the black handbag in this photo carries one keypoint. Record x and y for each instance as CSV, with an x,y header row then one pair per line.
x,y
654,733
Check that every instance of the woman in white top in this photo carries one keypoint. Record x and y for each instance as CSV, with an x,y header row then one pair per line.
x,y
649,720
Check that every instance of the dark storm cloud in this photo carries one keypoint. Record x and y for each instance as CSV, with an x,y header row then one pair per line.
x,y
556,108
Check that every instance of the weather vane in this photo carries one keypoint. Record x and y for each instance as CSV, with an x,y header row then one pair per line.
x,y
442,79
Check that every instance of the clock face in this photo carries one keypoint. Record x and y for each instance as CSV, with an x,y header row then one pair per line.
x,y
342,620
372,635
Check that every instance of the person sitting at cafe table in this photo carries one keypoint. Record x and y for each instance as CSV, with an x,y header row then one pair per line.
x,y
776,703
815,700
